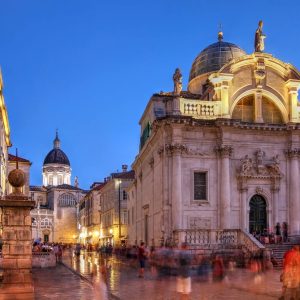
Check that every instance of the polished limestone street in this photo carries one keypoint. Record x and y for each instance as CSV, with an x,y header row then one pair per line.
x,y
93,276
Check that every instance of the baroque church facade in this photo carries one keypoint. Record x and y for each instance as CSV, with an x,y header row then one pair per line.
x,y
55,215
224,154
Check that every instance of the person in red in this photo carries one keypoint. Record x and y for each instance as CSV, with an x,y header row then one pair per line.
x,y
142,258
290,275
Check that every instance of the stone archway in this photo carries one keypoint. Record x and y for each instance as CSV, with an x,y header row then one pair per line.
x,y
257,214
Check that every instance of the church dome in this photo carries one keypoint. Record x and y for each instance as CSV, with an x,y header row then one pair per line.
x,y
214,57
56,155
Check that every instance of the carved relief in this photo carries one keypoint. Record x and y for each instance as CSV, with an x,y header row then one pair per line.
x,y
260,166
199,223
260,72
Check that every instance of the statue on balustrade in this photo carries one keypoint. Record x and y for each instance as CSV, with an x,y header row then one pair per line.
x,y
177,79
259,43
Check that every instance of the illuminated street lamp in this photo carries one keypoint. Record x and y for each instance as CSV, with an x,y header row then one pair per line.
x,y
119,181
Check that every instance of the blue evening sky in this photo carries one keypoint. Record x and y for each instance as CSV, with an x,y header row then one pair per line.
x,y
89,67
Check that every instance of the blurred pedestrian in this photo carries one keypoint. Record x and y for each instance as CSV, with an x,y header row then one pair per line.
x,y
184,283
277,233
142,259
290,276
218,268
285,231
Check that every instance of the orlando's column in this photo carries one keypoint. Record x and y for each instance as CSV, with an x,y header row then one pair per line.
x,y
17,249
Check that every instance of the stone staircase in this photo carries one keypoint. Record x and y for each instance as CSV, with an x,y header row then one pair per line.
x,y
278,250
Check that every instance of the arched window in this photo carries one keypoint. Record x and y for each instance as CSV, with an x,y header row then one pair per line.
x,y
45,223
244,111
60,179
50,180
66,200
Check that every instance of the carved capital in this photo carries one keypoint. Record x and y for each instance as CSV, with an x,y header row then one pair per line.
x,y
151,162
293,153
224,151
176,148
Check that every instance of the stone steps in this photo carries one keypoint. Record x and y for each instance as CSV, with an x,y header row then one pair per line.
x,y
278,250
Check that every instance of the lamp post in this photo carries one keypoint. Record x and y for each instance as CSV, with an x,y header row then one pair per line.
x,y
119,181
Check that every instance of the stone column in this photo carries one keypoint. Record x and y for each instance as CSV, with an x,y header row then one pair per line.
x,y
17,244
294,204
293,87
275,191
176,151
258,107
243,214
221,85
225,153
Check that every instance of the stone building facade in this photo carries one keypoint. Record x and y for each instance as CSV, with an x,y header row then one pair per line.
x,y
222,155
110,203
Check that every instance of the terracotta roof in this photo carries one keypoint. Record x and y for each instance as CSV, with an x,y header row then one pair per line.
x,y
17,158
99,186
36,188
124,175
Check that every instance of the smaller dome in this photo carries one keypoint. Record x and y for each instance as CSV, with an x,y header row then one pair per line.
x,y
56,156
214,57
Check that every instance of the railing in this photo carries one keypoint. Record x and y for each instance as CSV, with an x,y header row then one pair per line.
x,y
212,239
43,259
200,108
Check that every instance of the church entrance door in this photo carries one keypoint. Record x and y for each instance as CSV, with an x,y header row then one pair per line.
x,y
258,214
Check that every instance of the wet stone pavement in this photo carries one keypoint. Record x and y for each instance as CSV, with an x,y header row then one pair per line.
x,y
121,282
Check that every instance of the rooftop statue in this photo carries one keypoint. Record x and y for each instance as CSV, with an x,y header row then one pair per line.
x,y
259,43
177,78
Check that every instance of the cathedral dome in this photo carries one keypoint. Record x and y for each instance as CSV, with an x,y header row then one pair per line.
x,y
56,155
214,57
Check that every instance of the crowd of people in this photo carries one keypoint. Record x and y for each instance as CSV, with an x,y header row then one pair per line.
x,y
184,263
277,236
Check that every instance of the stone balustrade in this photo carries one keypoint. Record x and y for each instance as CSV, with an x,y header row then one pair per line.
x,y
200,108
213,239
43,259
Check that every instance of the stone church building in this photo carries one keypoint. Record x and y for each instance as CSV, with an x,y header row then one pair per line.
x,y
224,154
55,215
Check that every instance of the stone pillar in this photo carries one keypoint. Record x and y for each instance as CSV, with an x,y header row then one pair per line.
x,y
275,191
176,106
243,214
294,204
293,87
176,150
225,153
258,107
221,85
17,244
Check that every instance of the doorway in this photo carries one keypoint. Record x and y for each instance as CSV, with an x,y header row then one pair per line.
x,y
258,214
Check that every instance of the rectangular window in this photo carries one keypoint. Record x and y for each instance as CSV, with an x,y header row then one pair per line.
x,y
200,185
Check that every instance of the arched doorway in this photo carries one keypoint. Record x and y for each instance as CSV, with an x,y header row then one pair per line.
x,y
258,214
